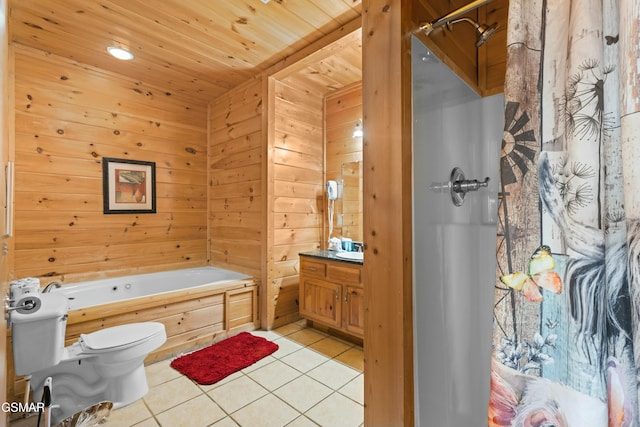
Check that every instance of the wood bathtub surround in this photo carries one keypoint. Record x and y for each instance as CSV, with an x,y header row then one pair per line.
x,y
193,318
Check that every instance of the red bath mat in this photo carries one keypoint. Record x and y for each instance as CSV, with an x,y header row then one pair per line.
x,y
211,364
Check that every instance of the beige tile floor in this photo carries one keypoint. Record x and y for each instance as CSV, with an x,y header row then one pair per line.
x,y
312,380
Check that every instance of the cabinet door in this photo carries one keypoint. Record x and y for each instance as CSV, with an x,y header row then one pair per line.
x,y
320,300
354,310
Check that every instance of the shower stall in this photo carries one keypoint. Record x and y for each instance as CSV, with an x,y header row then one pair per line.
x,y
456,147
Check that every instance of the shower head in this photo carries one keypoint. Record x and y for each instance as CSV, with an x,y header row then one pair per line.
x,y
486,33
483,32
454,17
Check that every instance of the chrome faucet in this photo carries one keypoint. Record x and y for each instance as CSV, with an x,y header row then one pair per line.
x,y
466,185
51,285
458,186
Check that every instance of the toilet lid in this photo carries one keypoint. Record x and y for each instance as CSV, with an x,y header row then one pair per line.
x,y
117,336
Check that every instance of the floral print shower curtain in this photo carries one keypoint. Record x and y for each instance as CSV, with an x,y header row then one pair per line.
x,y
567,295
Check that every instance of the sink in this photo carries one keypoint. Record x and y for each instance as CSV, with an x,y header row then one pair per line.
x,y
354,256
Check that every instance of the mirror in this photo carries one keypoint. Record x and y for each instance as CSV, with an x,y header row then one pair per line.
x,y
343,162
348,205
352,201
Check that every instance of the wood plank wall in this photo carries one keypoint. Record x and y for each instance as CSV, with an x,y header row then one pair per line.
x,y
68,116
297,211
6,154
236,160
247,193
343,108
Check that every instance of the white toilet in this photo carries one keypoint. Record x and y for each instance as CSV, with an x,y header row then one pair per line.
x,y
107,365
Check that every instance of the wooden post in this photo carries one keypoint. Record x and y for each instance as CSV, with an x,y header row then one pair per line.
x,y
388,232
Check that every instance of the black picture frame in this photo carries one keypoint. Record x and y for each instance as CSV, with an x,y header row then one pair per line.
x,y
128,186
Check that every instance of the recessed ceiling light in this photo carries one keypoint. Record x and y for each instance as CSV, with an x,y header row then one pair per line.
x,y
120,53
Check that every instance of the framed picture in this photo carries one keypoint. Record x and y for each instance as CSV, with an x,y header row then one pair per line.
x,y
128,186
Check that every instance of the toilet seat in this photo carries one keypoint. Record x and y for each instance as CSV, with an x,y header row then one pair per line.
x,y
122,336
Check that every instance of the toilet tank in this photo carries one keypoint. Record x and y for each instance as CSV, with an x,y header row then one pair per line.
x,y
38,335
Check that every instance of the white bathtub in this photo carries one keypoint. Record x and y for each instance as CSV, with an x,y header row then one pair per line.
x,y
105,291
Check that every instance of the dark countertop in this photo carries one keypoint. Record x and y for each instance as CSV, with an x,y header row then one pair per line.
x,y
330,255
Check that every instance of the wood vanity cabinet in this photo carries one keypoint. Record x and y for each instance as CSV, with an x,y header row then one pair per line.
x,y
331,293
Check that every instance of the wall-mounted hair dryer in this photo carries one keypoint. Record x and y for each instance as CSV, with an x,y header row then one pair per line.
x,y
332,195
332,190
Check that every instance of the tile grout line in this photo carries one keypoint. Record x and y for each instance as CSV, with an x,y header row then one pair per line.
x,y
272,392
327,358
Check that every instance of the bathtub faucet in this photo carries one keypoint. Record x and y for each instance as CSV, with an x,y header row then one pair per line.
x,y
51,285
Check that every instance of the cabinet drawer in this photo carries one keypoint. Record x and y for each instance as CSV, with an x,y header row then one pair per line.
x,y
312,268
340,274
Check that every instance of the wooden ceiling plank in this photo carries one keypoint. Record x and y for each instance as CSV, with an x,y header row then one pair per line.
x,y
335,70
341,10
259,24
353,36
316,86
342,68
65,43
270,33
191,48
356,4
279,19
190,116
111,23
312,14
201,26
174,82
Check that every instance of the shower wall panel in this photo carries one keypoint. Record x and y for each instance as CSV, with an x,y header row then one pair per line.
x,y
454,247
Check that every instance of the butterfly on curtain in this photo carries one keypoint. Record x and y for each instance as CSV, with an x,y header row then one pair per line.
x,y
611,39
539,275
